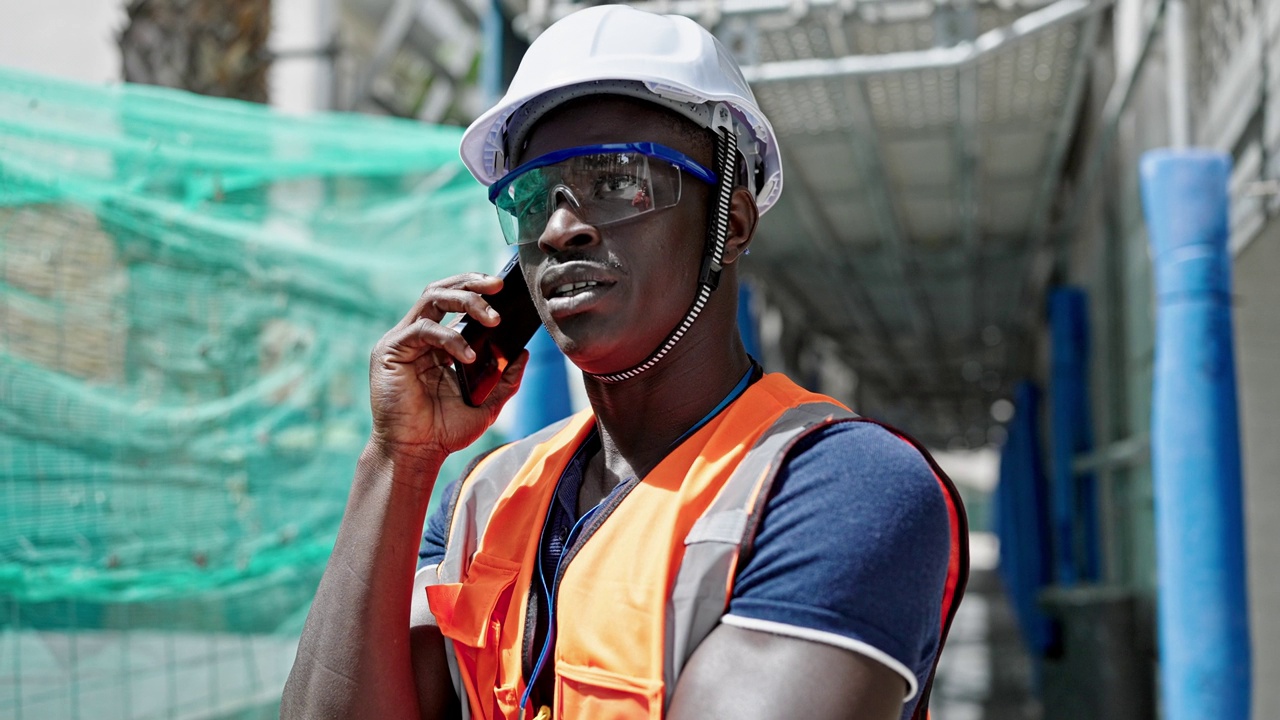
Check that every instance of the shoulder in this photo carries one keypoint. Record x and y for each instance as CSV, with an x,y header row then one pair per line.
x,y
864,475
857,481
444,500
483,479
852,549
859,465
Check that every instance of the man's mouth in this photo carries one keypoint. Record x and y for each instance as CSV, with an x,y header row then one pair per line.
x,y
574,278
573,288
570,296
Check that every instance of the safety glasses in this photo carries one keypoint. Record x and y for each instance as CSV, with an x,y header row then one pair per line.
x,y
602,183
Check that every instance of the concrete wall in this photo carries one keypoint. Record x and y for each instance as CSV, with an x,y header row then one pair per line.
x,y
1109,257
142,674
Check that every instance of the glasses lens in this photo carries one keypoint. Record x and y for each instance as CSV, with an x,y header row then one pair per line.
x,y
602,188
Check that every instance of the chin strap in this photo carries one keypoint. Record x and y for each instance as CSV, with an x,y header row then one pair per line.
x,y
726,166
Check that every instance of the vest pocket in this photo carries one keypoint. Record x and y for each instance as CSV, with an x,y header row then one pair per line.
x,y
584,693
471,612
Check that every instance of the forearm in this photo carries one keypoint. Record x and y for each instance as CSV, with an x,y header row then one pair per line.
x,y
354,655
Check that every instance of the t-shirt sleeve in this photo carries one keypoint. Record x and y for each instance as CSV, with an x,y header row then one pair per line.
x,y
436,530
852,551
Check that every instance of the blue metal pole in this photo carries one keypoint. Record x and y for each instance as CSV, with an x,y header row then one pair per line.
x,y
544,390
1075,503
1062,391
1195,441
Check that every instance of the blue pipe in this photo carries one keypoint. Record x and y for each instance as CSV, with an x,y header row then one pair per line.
x,y
1195,441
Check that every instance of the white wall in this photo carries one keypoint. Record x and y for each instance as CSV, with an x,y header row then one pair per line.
x,y
72,39
1257,299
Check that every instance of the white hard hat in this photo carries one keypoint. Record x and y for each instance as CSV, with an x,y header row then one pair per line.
x,y
618,50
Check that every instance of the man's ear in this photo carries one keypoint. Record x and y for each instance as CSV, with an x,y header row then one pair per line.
x,y
744,215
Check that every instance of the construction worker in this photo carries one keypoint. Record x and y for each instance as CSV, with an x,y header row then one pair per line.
x,y
706,540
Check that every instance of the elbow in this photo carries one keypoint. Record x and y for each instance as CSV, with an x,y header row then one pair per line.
x,y
293,702
308,697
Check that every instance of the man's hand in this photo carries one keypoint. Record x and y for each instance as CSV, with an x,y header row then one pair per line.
x,y
418,409
358,656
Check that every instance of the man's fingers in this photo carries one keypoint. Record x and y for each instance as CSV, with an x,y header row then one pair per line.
x,y
463,301
459,293
475,281
407,344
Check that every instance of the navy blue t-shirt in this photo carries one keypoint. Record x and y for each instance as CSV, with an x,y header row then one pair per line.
x,y
852,551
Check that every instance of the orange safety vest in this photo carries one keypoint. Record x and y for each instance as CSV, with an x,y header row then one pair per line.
x,y
663,552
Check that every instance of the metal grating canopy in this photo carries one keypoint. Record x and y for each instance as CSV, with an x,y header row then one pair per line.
x,y
922,144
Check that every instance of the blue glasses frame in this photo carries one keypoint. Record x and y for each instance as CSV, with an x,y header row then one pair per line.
x,y
653,150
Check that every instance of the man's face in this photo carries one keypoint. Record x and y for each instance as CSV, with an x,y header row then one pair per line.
x,y
644,269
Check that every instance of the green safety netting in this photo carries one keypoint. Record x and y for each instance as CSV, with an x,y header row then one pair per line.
x,y
189,289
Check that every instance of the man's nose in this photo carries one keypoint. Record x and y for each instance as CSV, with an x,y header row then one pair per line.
x,y
565,228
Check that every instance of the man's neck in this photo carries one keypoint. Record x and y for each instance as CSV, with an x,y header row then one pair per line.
x,y
641,419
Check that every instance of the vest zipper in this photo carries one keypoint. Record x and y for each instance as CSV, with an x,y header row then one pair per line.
x,y
570,552
530,626
531,612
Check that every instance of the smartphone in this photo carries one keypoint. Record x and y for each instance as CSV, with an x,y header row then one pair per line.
x,y
496,347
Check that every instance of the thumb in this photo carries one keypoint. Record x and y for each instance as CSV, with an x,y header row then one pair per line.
x,y
507,386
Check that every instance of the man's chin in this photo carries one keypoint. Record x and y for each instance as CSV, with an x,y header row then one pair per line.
x,y
600,356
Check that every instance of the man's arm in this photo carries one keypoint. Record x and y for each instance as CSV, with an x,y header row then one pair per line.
x,y
747,674
359,655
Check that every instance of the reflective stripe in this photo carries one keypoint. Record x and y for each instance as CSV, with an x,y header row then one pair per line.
x,y
704,582
814,417
478,493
